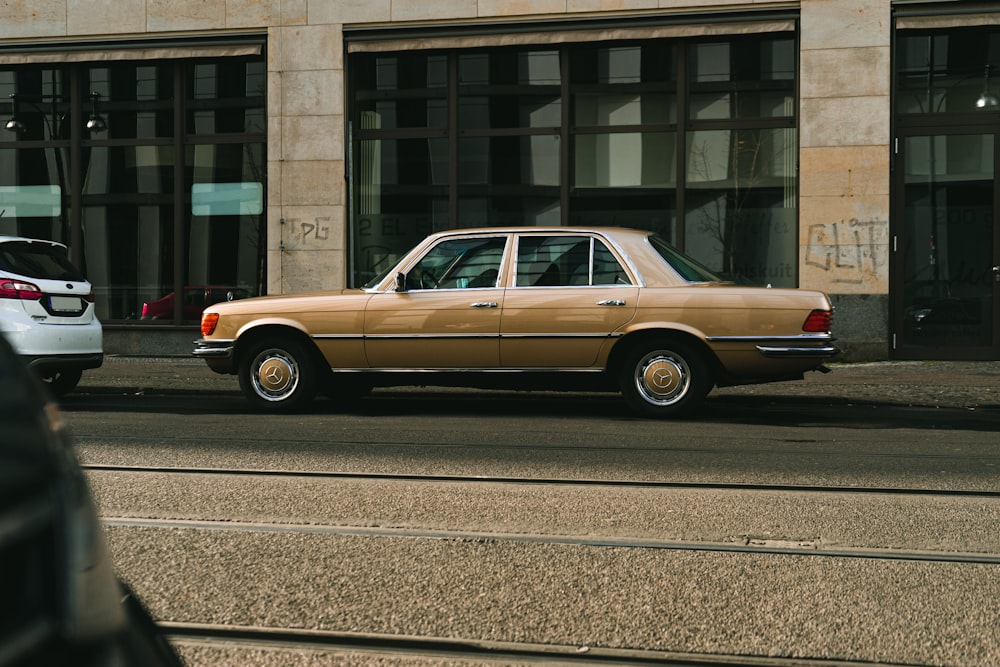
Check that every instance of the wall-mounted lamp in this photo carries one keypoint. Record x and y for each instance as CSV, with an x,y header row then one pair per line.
x,y
14,125
987,100
95,123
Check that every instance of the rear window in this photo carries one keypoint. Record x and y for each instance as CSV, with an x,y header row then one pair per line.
x,y
38,260
688,268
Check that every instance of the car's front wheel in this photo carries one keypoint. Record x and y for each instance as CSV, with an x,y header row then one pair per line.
x,y
664,379
278,375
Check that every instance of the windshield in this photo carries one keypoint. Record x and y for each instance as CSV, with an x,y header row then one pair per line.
x,y
688,268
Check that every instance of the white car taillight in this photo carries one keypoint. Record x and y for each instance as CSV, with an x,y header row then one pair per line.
x,y
18,289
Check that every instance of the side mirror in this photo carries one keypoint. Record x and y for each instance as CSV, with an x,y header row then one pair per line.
x,y
400,282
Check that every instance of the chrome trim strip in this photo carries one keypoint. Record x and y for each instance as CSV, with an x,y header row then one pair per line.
x,y
488,369
804,338
783,352
472,336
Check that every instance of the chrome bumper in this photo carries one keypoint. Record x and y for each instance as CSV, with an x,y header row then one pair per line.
x,y
798,352
213,349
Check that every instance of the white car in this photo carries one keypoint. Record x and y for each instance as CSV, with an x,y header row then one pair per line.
x,y
47,311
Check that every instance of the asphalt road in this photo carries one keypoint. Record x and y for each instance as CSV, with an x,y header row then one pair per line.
x,y
850,519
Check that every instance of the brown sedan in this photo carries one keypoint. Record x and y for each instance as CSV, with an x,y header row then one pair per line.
x,y
524,307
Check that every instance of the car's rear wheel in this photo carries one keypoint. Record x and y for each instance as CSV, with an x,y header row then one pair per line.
x,y
278,375
62,382
664,379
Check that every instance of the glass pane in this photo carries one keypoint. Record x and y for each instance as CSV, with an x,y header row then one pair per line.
x,y
129,251
401,91
530,160
460,264
741,217
509,89
608,110
745,78
226,97
135,101
640,209
545,261
948,71
390,224
624,65
36,101
948,241
607,270
512,210
625,160
129,169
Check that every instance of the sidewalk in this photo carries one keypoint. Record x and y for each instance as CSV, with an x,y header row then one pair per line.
x,y
945,384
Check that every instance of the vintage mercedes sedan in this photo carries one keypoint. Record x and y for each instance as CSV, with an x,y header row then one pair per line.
x,y
524,308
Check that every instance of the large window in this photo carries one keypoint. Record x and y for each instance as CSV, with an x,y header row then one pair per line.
x,y
694,139
152,171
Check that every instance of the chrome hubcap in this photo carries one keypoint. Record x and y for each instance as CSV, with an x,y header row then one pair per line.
x,y
275,376
662,379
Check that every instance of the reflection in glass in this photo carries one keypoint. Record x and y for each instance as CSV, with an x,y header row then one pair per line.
x,y
743,79
531,160
627,160
948,241
740,218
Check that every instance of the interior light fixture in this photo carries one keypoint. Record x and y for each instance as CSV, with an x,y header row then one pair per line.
x,y
95,123
14,125
987,100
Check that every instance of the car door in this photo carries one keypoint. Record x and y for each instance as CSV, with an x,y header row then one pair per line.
x,y
570,293
447,316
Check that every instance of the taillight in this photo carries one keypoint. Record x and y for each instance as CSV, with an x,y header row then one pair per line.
x,y
17,289
819,321
208,322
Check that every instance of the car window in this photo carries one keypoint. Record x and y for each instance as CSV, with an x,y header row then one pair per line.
x,y
688,268
38,260
566,260
459,264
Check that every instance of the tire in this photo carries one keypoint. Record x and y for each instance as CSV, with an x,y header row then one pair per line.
x,y
664,379
63,382
278,375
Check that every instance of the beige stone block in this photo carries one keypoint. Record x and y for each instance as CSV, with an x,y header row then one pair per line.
x,y
350,11
313,138
314,183
515,7
573,6
857,72
318,47
295,12
312,270
274,227
839,24
313,228
172,15
274,181
847,171
848,121
844,244
92,17
32,18
252,13
422,10
312,93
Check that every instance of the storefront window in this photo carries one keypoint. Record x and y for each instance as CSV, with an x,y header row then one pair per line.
x,y
161,209
588,134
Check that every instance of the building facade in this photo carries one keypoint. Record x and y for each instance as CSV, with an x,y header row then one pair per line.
x,y
202,147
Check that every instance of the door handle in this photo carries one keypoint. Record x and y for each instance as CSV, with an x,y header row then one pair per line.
x,y
484,304
611,302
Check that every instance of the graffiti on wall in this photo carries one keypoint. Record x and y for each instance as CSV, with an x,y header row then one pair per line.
x,y
849,252
306,232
